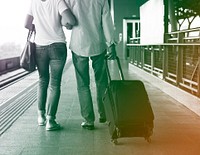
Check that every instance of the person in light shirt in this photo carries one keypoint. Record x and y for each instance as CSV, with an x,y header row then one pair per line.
x,y
48,17
89,41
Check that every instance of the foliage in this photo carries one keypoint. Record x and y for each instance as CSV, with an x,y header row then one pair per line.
x,y
187,8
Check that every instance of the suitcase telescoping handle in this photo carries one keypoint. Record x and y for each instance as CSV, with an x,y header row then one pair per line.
x,y
119,66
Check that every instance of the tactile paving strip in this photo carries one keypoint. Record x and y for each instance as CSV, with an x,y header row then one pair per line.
x,y
16,106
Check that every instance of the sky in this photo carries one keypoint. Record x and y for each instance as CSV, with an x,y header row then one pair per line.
x,y
12,17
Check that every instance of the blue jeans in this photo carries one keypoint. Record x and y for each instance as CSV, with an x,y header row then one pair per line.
x,y
81,65
50,61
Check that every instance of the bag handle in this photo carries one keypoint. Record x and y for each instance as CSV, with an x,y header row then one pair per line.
x,y
30,33
119,67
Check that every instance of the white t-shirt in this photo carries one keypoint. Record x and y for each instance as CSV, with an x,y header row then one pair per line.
x,y
47,20
95,27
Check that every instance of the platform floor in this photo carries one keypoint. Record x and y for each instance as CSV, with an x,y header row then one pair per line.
x,y
176,131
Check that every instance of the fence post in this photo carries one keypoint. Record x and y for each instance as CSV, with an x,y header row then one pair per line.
x,y
131,51
179,65
152,59
142,56
165,61
137,53
198,78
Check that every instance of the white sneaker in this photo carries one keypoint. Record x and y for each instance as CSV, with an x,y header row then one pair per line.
x,y
52,125
41,120
87,125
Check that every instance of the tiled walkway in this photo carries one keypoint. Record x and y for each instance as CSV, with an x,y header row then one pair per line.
x,y
176,131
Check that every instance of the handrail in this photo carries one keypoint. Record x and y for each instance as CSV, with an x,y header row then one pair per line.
x,y
185,30
165,44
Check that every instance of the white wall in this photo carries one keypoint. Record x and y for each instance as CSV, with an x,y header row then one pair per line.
x,y
152,22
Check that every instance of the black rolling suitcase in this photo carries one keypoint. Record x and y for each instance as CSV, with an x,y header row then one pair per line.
x,y
127,107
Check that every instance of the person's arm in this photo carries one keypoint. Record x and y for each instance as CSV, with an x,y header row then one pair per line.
x,y
112,52
29,22
29,18
68,19
108,29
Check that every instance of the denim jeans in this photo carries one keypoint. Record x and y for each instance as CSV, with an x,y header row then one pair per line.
x,y
50,61
81,65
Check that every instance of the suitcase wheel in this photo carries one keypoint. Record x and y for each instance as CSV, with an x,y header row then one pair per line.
x,y
148,139
114,141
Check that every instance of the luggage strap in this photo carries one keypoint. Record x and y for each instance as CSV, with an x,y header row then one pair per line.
x,y
119,66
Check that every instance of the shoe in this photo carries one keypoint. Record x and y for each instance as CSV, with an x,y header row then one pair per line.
x,y
52,125
41,117
87,125
41,120
102,120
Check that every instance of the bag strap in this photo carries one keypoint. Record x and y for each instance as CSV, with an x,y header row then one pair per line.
x,y
30,33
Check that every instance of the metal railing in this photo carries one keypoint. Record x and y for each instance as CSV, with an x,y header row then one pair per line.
x,y
184,36
9,64
176,63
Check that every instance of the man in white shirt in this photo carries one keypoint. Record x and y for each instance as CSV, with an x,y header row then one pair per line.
x,y
89,40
